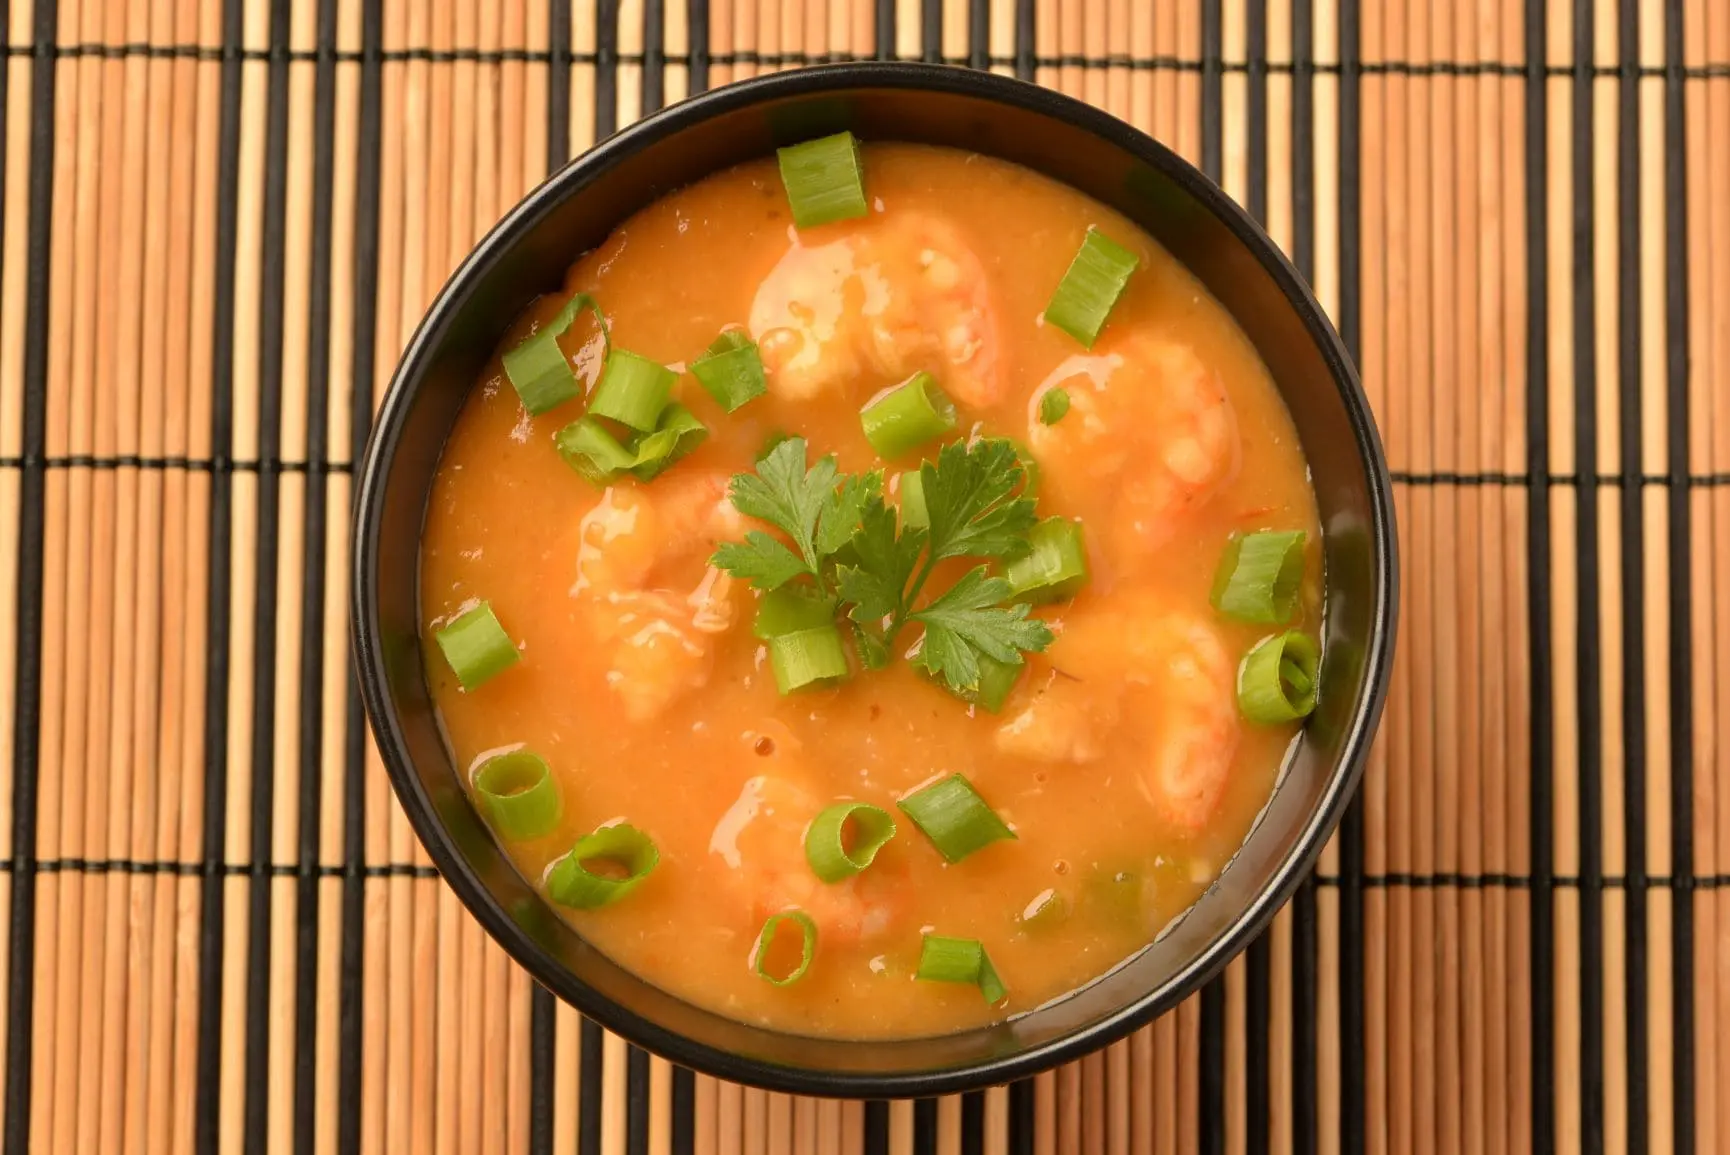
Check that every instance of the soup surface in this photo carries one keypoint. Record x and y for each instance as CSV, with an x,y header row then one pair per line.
x,y
1120,760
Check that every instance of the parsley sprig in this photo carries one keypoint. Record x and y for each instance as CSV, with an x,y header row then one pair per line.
x,y
849,544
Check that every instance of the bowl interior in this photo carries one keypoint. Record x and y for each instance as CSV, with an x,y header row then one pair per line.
x,y
576,209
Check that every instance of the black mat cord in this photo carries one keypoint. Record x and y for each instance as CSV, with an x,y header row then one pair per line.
x,y
27,691
1679,512
207,1102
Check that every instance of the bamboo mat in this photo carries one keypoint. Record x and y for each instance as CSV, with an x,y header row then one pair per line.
x,y
221,221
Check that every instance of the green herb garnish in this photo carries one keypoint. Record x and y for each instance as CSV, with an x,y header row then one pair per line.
x,y
972,512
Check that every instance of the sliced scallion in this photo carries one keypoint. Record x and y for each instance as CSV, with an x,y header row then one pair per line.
x,y
1055,565
1259,576
476,646
1053,405
825,180
952,815
913,513
538,369
959,960
844,839
807,658
633,390
903,418
676,433
602,867
996,679
588,447
731,371
1276,681
788,610
761,962
518,793
1090,288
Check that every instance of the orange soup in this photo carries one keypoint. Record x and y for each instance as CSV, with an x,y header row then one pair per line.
x,y
1043,611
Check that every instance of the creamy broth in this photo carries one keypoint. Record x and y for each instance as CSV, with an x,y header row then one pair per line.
x,y
1120,759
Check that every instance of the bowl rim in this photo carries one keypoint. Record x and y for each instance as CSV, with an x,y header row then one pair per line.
x,y
462,878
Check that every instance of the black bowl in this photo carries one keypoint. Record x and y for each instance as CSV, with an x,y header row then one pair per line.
x,y
575,210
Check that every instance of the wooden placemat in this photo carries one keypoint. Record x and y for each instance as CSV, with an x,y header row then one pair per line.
x,y
222,219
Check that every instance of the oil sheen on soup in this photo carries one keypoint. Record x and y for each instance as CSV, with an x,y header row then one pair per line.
x,y
1120,767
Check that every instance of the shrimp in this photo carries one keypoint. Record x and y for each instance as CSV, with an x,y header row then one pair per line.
x,y
1150,426
1169,673
895,295
649,600
760,841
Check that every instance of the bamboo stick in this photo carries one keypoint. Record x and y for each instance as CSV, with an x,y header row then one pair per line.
x,y
613,1058
1717,36
1516,979
1094,18
1070,47
1654,220
1454,607
65,504
1564,660
155,684
1045,42
100,152
853,1128
1704,417
1483,969
829,1127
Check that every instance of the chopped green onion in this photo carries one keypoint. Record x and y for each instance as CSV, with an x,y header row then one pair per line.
x,y
907,416
1047,910
766,941
1090,288
1055,566
592,451
867,827
676,434
952,815
633,390
996,679
824,180
1259,576
731,371
810,657
538,369
519,795
960,960
913,514
476,646
1276,681
628,851
788,610
1053,405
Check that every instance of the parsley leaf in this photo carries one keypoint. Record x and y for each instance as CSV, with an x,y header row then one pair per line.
x,y
787,495
877,585
967,498
760,560
842,511
967,620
